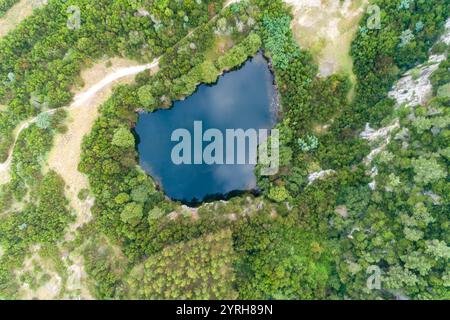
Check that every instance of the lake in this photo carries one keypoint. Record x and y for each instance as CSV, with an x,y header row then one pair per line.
x,y
241,99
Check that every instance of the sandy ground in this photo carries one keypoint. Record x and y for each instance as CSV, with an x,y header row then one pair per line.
x,y
81,100
77,280
48,290
65,155
15,15
76,286
4,175
326,28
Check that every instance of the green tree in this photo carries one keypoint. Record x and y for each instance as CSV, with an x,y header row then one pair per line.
x,y
43,120
208,72
154,214
427,170
146,98
140,194
278,194
132,213
123,138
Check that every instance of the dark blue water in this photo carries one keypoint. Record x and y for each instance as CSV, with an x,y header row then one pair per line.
x,y
240,99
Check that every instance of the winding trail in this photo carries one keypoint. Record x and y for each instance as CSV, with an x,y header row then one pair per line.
x,y
80,100
83,108
83,97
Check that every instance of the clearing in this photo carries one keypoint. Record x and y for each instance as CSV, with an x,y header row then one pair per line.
x,y
327,28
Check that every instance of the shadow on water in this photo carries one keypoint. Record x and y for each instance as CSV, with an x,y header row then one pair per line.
x,y
194,203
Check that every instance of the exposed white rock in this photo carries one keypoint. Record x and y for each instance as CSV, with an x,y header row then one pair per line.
x,y
434,197
289,207
373,174
376,151
402,135
142,13
446,36
415,88
319,175
260,205
376,135
350,235
373,135
374,171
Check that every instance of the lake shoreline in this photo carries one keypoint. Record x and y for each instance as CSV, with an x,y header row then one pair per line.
x,y
263,78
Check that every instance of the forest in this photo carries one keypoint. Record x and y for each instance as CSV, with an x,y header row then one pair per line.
x,y
386,215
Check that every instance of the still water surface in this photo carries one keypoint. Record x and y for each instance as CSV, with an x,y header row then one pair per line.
x,y
241,99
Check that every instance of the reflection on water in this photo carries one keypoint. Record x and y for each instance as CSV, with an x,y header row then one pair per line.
x,y
241,99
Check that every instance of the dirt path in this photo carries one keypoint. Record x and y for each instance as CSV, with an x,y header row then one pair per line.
x,y
82,114
16,15
82,99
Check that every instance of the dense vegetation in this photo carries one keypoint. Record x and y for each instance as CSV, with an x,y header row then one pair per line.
x,y
44,214
382,231
198,269
280,260
299,239
402,225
